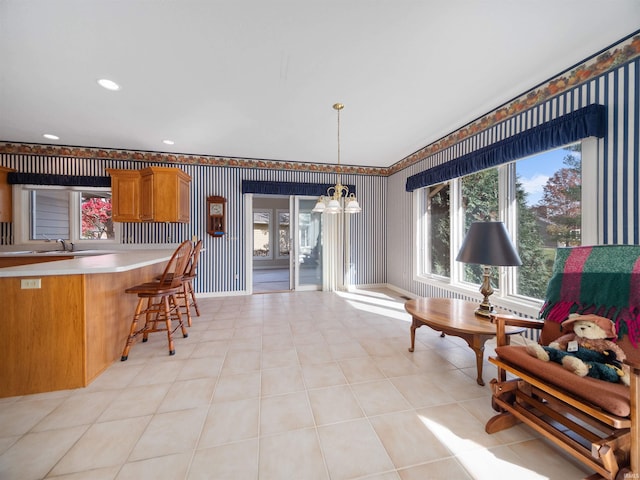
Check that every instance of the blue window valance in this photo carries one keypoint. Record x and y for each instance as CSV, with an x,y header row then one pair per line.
x,y
288,188
16,178
590,121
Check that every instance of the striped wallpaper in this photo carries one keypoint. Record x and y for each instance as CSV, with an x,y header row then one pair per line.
x,y
618,187
224,258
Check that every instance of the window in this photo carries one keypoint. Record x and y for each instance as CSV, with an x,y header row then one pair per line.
x,y
479,193
262,234
50,215
539,199
549,213
78,215
95,214
284,238
437,223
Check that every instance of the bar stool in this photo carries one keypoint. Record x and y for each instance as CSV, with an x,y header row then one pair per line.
x,y
188,294
158,303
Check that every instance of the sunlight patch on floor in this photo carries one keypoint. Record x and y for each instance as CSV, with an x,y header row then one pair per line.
x,y
379,306
482,463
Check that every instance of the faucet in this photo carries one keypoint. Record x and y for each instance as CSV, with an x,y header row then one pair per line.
x,y
64,245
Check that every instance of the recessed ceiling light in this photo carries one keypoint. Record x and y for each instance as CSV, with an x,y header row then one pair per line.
x,y
108,84
168,142
51,137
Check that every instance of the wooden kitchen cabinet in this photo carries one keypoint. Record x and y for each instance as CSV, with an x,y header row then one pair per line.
x,y
6,201
164,195
125,195
153,194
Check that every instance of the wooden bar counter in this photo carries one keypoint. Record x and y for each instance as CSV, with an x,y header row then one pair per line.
x,y
65,333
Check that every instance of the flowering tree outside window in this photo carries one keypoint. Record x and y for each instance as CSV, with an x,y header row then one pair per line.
x,y
96,217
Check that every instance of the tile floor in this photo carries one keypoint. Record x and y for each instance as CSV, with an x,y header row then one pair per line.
x,y
305,385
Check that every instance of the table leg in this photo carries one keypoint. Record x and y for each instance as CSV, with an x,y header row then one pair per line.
x,y
479,360
477,344
414,324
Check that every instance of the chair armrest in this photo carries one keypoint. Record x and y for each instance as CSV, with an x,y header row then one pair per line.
x,y
501,321
635,366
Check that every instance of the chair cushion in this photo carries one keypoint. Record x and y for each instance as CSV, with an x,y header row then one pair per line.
x,y
611,397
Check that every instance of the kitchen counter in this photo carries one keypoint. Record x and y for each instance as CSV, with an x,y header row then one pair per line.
x,y
65,321
83,264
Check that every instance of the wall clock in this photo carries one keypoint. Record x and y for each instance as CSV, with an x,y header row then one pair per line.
x,y
216,211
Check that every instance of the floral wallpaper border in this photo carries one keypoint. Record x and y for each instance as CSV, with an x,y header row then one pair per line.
x,y
614,57
183,159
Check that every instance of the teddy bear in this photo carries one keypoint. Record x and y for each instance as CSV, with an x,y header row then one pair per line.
x,y
586,349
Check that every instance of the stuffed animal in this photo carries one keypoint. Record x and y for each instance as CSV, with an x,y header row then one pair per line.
x,y
586,350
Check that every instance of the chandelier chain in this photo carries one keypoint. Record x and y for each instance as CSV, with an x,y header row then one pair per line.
x,y
338,109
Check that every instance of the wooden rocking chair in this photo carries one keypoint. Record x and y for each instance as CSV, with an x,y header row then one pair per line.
x,y
595,421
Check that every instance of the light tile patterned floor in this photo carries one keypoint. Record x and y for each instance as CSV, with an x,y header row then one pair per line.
x,y
305,385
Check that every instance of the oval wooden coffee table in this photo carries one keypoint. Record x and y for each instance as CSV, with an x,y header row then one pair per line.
x,y
457,318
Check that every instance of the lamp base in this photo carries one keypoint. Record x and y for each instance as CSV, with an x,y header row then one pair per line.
x,y
484,310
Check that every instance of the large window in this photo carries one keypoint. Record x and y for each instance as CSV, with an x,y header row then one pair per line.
x,y
77,215
539,199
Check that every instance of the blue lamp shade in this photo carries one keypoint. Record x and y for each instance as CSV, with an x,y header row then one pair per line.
x,y
488,243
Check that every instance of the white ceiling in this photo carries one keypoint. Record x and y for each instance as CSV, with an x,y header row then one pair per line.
x,y
258,78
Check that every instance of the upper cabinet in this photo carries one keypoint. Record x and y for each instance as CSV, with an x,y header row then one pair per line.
x,y
6,202
164,195
153,194
125,195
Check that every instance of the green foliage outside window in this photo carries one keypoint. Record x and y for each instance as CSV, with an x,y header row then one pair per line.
x,y
480,204
440,229
535,271
561,203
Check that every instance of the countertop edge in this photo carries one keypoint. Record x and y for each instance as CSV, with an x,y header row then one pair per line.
x,y
109,263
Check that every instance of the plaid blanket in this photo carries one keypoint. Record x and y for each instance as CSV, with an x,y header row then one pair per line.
x,y
603,280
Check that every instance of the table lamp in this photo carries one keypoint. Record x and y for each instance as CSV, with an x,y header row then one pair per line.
x,y
488,244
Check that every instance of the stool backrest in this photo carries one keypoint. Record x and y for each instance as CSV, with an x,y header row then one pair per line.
x,y
175,269
193,260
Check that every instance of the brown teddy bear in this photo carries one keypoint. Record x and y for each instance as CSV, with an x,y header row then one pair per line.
x,y
586,350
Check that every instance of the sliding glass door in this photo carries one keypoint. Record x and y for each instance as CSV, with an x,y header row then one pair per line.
x,y
306,260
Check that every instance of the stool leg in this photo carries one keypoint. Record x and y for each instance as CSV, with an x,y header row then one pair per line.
x,y
167,313
192,294
185,295
132,330
174,301
145,335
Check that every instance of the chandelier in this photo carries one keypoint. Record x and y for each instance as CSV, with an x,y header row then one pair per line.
x,y
331,202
